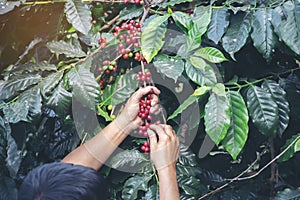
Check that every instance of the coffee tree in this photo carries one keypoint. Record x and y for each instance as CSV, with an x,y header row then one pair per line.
x,y
229,81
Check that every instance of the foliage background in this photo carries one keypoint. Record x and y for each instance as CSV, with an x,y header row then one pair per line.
x,y
50,52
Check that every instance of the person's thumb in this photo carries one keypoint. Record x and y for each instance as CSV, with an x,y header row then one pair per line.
x,y
152,139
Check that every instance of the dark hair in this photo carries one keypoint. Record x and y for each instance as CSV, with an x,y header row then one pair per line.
x,y
64,181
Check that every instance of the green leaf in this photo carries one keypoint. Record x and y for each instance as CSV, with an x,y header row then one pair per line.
x,y
189,184
187,157
288,194
217,117
79,15
173,2
127,84
85,87
200,76
219,23
263,110
129,160
18,83
210,54
286,22
40,67
236,36
198,62
189,101
134,184
172,67
8,150
201,19
15,112
50,82
130,12
295,147
201,91
279,96
104,114
33,100
219,89
152,37
237,134
262,35
59,100
183,20
66,48
152,193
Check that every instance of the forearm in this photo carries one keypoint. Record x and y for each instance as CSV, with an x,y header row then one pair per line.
x,y
98,149
168,187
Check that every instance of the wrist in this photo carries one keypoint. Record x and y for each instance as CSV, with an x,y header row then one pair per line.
x,y
123,124
168,170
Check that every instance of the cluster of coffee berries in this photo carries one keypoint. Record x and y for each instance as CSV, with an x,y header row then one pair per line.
x,y
102,42
145,147
128,35
144,77
134,1
108,73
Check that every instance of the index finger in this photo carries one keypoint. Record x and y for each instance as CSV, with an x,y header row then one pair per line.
x,y
159,130
143,91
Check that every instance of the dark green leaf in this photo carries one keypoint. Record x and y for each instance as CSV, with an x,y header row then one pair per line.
x,y
79,15
66,48
171,67
59,100
201,19
295,147
262,35
263,110
286,22
182,20
217,117
85,87
189,184
18,83
201,77
189,101
279,96
288,194
236,36
15,112
126,86
33,100
130,12
152,193
8,150
134,184
50,82
187,157
219,23
129,160
237,134
152,37
210,54
41,66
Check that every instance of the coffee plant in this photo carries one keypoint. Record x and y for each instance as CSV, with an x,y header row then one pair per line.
x,y
228,71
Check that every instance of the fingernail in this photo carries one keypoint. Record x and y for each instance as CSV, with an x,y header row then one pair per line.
x,y
153,103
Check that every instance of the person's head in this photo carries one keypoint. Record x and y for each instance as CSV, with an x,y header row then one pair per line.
x,y
57,181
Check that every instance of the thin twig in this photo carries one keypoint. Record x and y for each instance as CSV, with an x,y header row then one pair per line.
x,y
238,178
108,24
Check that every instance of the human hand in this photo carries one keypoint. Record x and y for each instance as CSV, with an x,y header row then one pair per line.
x,y
164,149
128,119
